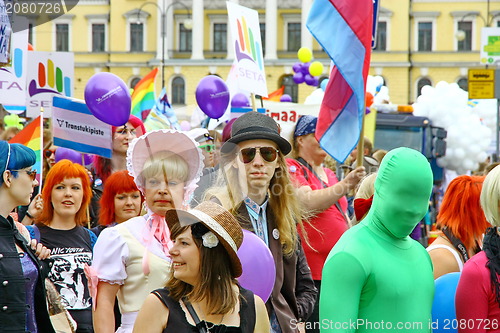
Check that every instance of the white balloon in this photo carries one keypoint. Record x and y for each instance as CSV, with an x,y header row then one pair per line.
x,y
442,162
459,153
468,164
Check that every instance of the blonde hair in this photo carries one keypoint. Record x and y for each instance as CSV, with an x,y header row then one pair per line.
x,y
366,187
490,196
173,165
283,202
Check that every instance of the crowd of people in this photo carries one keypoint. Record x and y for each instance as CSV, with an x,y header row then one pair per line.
x,y
148,240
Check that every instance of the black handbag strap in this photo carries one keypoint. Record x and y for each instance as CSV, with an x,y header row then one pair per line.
x,y
308,166
457,244
194,315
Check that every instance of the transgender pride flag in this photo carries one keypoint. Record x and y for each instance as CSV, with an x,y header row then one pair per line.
x,y
344,30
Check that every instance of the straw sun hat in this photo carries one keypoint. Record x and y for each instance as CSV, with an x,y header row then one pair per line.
x,y
219,221
164,140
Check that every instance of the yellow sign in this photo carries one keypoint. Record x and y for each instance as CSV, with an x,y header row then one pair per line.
x,y
481,83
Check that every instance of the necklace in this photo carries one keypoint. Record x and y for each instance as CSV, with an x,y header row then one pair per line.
x,y
212,325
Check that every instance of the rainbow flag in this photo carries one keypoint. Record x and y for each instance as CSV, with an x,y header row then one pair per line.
x,y
275,95
143,97
30,137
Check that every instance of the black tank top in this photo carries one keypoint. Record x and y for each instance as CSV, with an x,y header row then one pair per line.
x,y
177,321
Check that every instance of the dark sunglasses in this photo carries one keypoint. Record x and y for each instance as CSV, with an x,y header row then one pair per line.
x,y
48,152
31,173
208,148
269,154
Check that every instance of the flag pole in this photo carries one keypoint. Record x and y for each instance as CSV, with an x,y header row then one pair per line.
x,y
361,142
41,151
254,106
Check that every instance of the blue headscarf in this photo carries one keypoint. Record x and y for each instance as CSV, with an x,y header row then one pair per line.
x,y
305,125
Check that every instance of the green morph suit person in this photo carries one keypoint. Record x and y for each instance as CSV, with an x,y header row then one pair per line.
x,y
376,278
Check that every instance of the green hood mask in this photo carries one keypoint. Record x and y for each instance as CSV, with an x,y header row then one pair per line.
x,y
402,191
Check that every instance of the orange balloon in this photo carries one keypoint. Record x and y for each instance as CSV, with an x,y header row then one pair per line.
x,y
368,99
30,47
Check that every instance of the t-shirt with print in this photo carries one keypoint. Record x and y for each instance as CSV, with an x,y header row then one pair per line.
x,y
71,250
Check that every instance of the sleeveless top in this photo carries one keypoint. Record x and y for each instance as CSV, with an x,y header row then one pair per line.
x,y
451,249
177,321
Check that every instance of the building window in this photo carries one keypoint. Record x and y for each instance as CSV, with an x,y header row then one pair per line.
x,y
463,83
98,37
421,83
185,39
262,27
294,37
134,82
291,88
424,36
62,37
178,91
30,33
466,43
220,37
381,41
136,37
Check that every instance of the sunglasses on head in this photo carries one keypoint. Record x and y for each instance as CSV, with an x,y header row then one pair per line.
x,y
208,147
269,154
30,173
48,152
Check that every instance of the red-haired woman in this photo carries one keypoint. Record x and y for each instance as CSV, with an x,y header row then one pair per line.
x,y
66,196
461,223
120,201
122,136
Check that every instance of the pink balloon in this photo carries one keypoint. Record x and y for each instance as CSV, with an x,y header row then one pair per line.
x,y
185,125
212,96
108,98
259,270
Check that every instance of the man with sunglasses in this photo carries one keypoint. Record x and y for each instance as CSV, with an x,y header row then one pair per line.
x,y
258,190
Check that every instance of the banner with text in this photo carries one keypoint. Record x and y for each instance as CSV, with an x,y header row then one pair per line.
x,y
49,74
13,78
75,127
245,32
5,33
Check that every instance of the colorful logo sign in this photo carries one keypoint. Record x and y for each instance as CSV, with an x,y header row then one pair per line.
x,y
49,74
245,29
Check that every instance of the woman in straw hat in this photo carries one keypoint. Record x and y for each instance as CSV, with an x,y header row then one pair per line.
x,y
132,258
22,296
202,293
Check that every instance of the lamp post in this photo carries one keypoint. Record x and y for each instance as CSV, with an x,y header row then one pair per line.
x,y
188,24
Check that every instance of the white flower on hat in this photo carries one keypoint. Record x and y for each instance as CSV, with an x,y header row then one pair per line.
x,y
210,240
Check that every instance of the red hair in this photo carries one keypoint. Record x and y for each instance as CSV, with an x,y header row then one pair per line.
x,y
60,171
102,165
119,182
461,212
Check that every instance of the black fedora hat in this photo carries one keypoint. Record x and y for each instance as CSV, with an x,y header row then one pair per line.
x,y
253,125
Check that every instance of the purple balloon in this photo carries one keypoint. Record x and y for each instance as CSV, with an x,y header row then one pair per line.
x,y
309,79
259,270
297,67
286,98
240,101
305,68
212,96
298,78
68,154
108,98
88,159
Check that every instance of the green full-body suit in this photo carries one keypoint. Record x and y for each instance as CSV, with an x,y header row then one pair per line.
x,y
376,278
